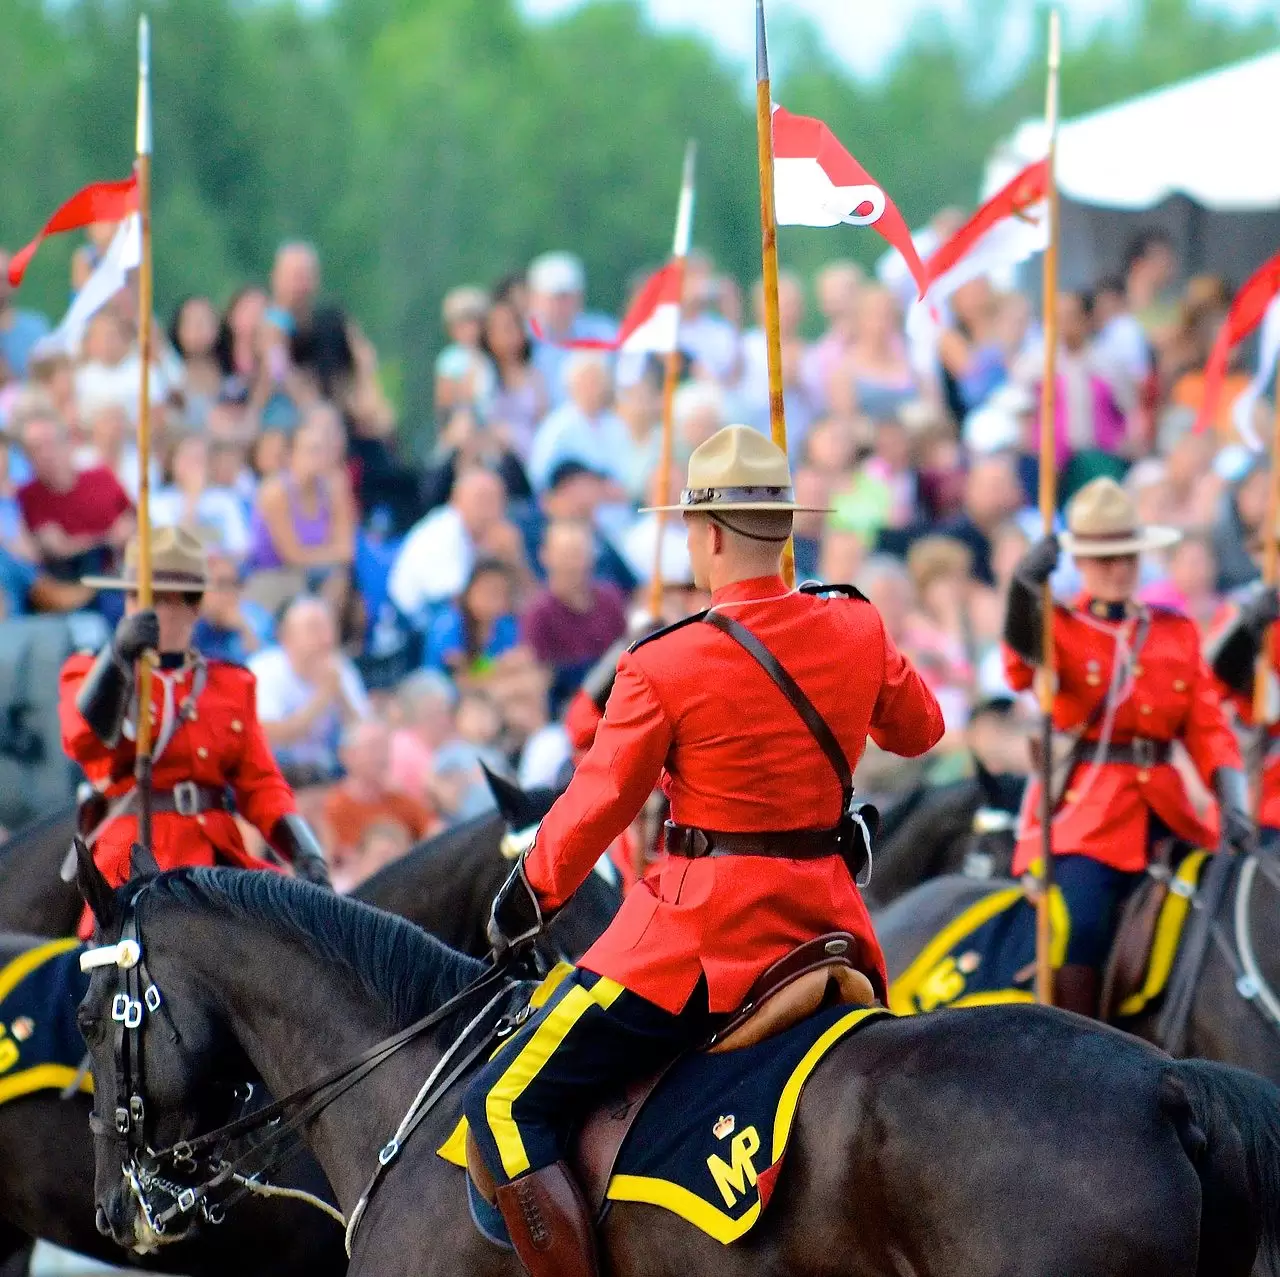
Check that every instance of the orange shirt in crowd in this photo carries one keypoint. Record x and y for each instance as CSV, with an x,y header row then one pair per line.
x,y
346,817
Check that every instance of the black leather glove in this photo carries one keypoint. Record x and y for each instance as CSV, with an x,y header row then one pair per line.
x,y
1262,609
1039,562
516,917
1239,833
293,838
136,634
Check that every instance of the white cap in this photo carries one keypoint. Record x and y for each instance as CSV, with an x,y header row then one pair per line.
x,y
554,273
991,429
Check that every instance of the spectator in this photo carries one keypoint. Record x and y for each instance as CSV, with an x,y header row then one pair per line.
x,y
1189,587
111,368
973,362
466,441
577,492
584,428
537,748
520,398
112,445
426,700
78,521
698,412
571,623
437,557
230,628
752,393
557,288
837,286
307,692
20,330
238,348
992,495
465,377
381,844
1119,339
1151,266
707,335
639,543
875,377
939,634
466,637
191,500
193,335
363,798
457,785
640,408
302,534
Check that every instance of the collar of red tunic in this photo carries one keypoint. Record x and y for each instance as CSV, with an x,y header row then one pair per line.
x,y
759,587
1113,612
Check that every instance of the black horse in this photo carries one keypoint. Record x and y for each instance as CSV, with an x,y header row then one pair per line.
x,y
1235,1010
966,827
445,885
982,1142
34,898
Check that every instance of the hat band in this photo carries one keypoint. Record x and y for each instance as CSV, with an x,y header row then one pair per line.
x,y
694,497
161,574
1106,538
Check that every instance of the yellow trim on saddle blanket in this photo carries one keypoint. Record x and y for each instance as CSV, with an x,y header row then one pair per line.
x,y
935,981
1168,934
680,1201
40,1077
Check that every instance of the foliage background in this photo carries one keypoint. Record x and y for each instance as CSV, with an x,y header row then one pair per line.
x,y
422,143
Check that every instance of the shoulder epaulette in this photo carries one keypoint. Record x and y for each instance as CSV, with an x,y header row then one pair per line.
x,y
667,629
816,588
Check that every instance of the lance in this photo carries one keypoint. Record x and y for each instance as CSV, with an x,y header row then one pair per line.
x,y
680,258
769,253
142,766
1048,506
1270,565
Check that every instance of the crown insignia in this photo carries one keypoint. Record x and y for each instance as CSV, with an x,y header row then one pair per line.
x,y
724,1127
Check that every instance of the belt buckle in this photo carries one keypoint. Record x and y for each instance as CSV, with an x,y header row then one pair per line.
x,y
1144,752
186,798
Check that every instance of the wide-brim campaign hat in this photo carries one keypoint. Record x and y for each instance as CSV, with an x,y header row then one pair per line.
x,y
1102,523
738,469
178,565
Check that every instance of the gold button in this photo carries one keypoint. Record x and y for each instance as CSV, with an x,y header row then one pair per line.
x,y
1143,777
1145,709
1093,679
194,715
202,752
1137,671
199,820
237,725
1179,685
1070,796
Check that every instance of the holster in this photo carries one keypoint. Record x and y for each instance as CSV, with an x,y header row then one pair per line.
x,y
859,827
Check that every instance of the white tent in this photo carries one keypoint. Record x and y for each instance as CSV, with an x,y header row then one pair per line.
x,y
1193,158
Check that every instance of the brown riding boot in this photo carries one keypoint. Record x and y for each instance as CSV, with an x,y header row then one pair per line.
x,y
1076,988
549,1225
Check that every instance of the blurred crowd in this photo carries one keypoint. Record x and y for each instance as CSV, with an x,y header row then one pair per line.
x,y
421,599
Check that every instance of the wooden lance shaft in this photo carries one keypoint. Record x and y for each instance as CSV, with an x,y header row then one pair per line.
x,y
769,247
1048,510
1270,570
671,376
142,770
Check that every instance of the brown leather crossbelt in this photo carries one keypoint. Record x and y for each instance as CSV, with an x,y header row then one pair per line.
x,y
799,844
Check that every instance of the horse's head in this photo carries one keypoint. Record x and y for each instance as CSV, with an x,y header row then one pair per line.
x,y
164,1067
520,809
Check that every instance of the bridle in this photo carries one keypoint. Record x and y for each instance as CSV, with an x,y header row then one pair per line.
x,y
155,1177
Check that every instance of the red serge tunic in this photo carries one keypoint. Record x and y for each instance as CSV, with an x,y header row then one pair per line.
x,y
219,743
1167,694
692,708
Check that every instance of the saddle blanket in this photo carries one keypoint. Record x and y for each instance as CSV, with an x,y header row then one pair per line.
x,y
709,1142
987,954
40,1046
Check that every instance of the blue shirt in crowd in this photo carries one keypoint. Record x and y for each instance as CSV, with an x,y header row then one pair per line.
x,y
216,644
18,340
447,639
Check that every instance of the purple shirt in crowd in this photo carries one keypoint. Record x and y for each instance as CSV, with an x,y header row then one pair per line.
x,y
562,637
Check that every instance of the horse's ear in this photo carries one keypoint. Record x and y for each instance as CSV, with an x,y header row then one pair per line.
x,y
509,797
95,889
142,863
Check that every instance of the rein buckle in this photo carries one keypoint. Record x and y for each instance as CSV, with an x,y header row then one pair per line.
x,y
127,1011
389,1153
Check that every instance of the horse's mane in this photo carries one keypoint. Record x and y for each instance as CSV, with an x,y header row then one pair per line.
x,y
408,971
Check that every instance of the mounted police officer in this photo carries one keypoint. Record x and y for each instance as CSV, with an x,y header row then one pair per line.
x,y
208,743
1130,683
762,846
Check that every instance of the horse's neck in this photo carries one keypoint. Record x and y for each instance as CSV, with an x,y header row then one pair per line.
x,y
297,1020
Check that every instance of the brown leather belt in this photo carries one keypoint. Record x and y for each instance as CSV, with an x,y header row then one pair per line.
x,y
189,799
1138,752
798,844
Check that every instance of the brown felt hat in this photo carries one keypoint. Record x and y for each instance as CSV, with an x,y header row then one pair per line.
x,y
1102,523
738,469
177,565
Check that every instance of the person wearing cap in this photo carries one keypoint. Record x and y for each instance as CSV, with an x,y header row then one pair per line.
x,y
1131,682
762,846
206,737
557,289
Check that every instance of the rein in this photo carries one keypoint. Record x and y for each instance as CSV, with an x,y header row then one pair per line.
x,y
144,1167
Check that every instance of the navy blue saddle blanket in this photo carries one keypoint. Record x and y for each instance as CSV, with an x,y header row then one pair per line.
x,y
709,1143
40,1046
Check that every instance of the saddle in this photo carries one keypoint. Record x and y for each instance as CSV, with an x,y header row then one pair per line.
x,y
816,975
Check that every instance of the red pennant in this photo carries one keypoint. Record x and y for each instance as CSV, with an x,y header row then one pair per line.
x,y
100,202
